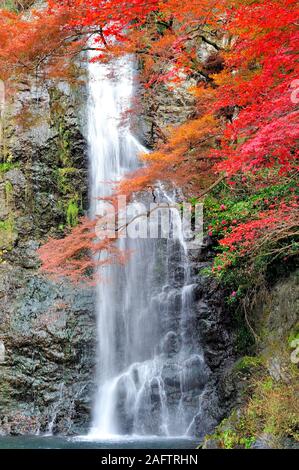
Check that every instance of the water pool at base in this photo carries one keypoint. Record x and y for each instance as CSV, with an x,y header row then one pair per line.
x,y
60,442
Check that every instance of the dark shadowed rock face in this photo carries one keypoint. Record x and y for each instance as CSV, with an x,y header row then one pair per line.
x,y
46,378
46,328
210,326
274,319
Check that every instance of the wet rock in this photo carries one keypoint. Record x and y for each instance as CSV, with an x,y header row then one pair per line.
x,y
277,369
48,328
196,374
26,253
171,376
171,343
17,179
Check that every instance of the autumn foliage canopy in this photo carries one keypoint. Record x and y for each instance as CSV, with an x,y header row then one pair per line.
x,y
238,152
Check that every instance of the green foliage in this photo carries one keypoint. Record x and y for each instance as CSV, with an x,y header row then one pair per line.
x,y
72,213
6,166
226,208
294,334
248,363
272,409
16,5
229,438
7,225
237,207
7,235
8,5
247,441
66,175
244,339
58,109
206,272
64,145
65,179
70,200
8,191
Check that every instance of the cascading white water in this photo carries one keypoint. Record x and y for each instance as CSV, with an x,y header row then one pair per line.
x,y
151,372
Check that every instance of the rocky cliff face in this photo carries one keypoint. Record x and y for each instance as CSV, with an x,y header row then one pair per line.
x,y
46,328
265,383
213,328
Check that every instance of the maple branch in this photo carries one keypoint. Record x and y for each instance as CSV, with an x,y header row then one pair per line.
x,y
206,191
145,214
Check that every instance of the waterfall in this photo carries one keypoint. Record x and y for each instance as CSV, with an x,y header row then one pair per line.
x,y
151,372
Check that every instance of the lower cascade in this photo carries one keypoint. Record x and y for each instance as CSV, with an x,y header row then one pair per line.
x,y
151,372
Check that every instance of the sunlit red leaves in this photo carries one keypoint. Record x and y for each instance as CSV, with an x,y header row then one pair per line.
x,y
80,253
276,224
246,120
264,63
34,45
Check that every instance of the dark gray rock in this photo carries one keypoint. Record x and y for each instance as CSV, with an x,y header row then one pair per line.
x,y
263,442
171,343
46,328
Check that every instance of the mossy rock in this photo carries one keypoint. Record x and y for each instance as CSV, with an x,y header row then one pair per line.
x,y
249,364
229,436
72,213
8,235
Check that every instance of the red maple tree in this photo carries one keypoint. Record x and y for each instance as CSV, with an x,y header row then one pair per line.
x,y
246,122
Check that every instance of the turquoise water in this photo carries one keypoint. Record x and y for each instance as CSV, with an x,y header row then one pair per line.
x,y
53,442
